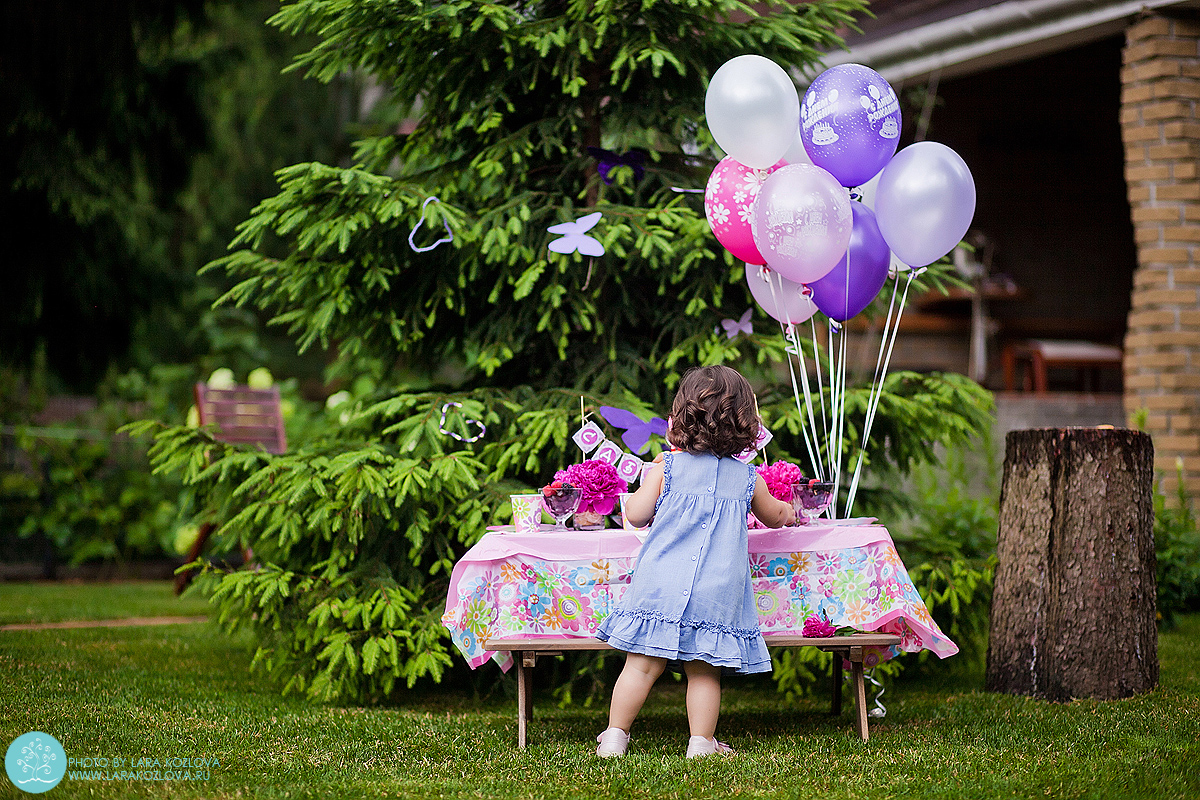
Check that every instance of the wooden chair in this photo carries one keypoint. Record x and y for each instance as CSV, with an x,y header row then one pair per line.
x,y
238,415
1043,354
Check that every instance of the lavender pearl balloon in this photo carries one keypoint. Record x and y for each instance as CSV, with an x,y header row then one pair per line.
x,y
801,222
853,283
925,202
850,122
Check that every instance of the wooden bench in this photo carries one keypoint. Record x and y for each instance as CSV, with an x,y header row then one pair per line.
x,y
525,652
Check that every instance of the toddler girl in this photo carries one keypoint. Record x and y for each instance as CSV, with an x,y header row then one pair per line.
x,y
690,599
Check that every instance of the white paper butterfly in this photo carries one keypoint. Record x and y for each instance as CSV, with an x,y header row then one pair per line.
x,y
574,236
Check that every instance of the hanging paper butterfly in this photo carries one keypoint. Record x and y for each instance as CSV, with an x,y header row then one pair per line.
x,y
637,430
575,238
610,161
743,325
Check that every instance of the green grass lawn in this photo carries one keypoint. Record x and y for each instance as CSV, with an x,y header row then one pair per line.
x,y
186,691
57,601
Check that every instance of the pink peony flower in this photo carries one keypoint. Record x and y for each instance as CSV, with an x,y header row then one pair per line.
x,y
779,478
598,482
818,628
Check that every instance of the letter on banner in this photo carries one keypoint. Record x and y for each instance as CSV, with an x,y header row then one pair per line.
x,y
588,437
608,452
630,468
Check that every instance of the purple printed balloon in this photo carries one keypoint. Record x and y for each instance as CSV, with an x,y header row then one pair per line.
x,y
850,123
853,283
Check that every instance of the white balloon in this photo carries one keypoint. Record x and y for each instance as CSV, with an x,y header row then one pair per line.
x,y
753,110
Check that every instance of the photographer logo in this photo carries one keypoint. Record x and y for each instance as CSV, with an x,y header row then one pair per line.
x,y
35,762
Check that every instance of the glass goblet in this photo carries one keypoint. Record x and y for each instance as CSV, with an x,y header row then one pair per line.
x,y
562,502
810,498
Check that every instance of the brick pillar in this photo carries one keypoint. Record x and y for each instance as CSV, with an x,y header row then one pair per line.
x,y
1160,90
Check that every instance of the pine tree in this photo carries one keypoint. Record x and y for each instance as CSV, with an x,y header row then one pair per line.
x,y
357,529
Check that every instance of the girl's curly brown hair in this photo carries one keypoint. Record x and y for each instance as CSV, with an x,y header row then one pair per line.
x,y
714,412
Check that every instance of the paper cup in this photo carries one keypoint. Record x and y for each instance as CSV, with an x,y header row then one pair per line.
x,y
527,512
625,520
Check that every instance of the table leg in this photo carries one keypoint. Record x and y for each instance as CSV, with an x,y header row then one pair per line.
x,y
836,706
860,691
524,697
1009,359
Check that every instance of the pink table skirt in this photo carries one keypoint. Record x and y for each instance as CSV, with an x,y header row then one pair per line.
x,y
555,584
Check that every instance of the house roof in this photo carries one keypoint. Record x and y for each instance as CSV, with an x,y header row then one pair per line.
x,y
911,40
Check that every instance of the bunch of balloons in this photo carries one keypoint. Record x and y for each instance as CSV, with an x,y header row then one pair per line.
x,y
779,198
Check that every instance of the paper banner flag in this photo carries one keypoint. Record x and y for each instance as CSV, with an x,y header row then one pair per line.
x,y
588,437
608,453
630,468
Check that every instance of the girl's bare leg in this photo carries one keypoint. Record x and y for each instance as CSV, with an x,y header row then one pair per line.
x,y
703,697
632,688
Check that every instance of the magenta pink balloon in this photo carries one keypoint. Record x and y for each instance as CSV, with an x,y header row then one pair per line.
x,y
801,222
730,193
782,299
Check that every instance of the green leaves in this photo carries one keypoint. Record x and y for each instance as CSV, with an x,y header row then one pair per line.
x,y
355,531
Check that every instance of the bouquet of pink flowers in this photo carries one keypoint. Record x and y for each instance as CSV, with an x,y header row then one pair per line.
x,y
779,478
598,482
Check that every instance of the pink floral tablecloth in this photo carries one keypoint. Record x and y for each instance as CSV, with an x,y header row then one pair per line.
x,y
556,584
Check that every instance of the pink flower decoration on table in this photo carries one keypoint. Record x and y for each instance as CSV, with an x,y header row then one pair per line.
x,y
599,484
779,478
818,628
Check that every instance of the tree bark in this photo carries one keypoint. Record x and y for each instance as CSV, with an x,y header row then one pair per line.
x,y
1074,605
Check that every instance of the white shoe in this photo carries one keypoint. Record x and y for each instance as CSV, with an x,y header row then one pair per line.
x,y
699,747
612,743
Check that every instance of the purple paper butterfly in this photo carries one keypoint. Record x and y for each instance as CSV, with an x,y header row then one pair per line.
x,y
574,236
734,327
637,430
610,161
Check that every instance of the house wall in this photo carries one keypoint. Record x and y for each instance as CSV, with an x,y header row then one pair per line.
x,y
1043,141
1160,88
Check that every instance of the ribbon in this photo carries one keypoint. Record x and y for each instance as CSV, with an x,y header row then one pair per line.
x,y
420,222
452,434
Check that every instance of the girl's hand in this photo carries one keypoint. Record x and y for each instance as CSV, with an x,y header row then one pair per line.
x,y
639,508
769,511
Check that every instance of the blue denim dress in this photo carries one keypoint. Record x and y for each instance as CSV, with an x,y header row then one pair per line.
x,y
691,597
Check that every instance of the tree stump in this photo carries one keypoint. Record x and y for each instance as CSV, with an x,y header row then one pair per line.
x,y
1073,610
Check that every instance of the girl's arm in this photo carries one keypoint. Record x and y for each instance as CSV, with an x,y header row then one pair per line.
x,y
769,511
639,508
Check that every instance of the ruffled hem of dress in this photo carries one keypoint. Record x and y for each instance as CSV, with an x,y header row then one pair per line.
x,y
653,634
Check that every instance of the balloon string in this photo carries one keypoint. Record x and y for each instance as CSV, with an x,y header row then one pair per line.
x,y
880,710
814,449
871,394
804,429
789,330
837,475
874,406
817,369
833,402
